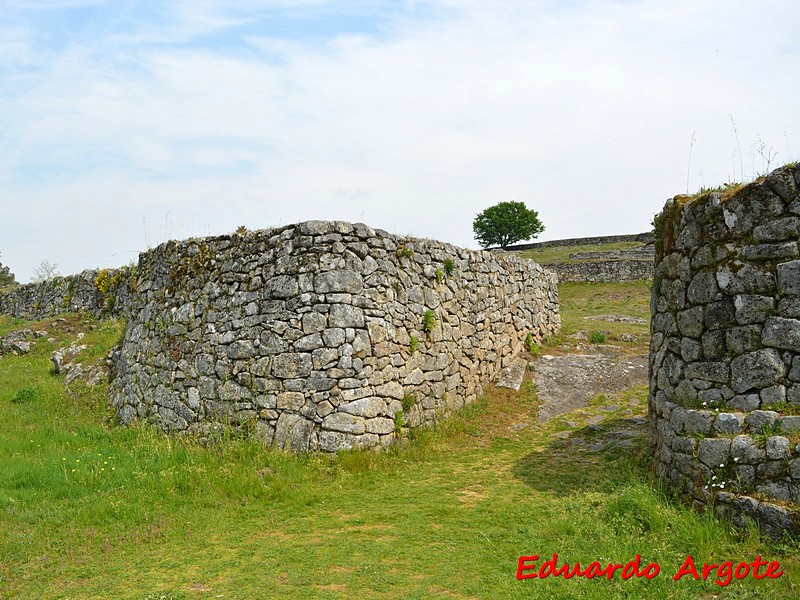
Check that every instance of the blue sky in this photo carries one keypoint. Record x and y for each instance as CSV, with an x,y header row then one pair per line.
x,y
126,123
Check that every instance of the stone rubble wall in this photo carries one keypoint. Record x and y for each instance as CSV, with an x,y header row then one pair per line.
x,y
313,335
645,253
725,351
101,292
603,270
646,237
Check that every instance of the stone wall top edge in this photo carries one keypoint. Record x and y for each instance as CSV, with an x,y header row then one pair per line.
x,y
644,237
86,275
320,227
769,182
311,227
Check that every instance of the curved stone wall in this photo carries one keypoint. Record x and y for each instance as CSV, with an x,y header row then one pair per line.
x,y
725,350
322,335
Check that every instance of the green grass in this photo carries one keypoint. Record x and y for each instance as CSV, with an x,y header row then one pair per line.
x,y
558,254
579,300
90,510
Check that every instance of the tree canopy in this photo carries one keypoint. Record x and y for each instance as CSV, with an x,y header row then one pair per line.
x,y
506,223
6,277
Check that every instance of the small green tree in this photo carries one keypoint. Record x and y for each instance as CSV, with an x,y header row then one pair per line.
x,y
6,277
506,223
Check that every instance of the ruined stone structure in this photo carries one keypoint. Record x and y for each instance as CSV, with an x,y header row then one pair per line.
x,y
629,264
320,336
646,238
603,270
725,350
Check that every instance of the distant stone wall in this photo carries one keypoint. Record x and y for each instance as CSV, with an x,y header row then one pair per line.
x,y
725,351
646,237
98,291
318,336
603,270
645,253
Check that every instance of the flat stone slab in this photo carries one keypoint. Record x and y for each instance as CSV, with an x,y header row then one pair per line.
x,y
617,319
511,377
565,383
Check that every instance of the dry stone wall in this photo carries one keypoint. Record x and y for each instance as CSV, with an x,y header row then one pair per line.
x,y
317,336
101,292
646,237
725,350
603,270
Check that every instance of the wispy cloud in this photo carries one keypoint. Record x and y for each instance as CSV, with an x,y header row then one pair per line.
x,y
122,124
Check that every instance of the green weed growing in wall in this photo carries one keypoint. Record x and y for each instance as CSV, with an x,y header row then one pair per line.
x,y
428,321
399,423
409,400
449,266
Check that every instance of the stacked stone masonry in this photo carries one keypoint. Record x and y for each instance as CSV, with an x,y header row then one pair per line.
x,y
646,238
317,336
101,292
603,270
725,351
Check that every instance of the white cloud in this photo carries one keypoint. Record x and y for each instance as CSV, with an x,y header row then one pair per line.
x,y
201,123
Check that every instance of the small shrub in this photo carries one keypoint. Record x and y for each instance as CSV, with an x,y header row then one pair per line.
x,y
405,252
597,337
413,344
241,230
409,400
428,321
103,282
439,276
24,395
449,266
531,345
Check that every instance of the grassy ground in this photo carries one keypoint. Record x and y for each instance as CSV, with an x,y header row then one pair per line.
x,y
581,300
88,510
557,254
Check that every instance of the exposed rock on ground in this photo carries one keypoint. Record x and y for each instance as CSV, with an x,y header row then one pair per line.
x,y
19,342
566,383
617,319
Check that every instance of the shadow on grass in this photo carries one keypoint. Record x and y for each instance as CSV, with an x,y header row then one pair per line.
x,y
591,458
